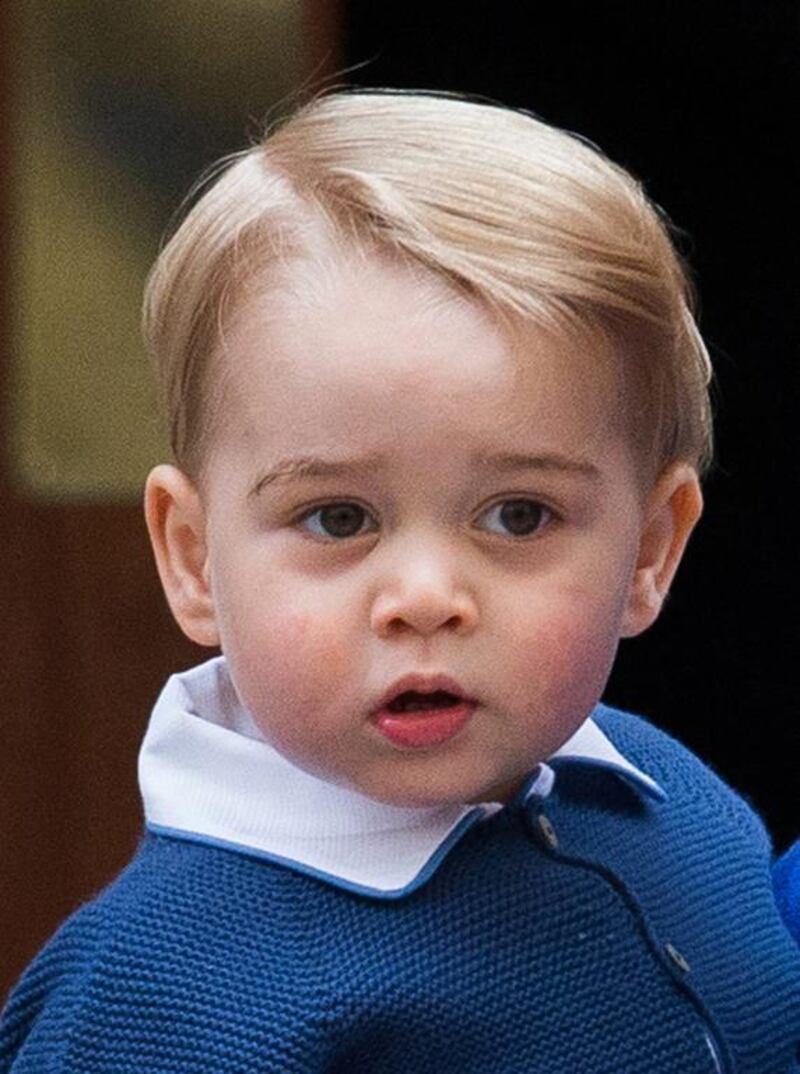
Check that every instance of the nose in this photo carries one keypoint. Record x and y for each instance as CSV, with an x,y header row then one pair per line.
x,y
422,597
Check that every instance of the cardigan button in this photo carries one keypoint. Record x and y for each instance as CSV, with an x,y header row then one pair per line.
x,y
545,832
677,957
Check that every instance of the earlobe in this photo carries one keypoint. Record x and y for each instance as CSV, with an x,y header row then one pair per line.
x,y
177,526
672,510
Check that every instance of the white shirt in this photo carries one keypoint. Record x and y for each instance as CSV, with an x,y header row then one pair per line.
x,y
207,774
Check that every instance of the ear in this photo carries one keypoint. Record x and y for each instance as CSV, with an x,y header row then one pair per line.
x,y
670,514
177,526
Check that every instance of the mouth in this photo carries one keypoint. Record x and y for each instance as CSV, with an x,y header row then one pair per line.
x,y
419,718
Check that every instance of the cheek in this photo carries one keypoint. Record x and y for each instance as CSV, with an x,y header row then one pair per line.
x,y
557,666
295,671
567,642
320,639
287,659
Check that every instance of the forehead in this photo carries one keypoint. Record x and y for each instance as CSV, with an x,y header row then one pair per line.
x,y
364,347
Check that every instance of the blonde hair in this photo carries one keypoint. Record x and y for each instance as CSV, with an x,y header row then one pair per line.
x,y
530,220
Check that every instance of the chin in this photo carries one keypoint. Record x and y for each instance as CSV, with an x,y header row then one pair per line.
x,y
421,798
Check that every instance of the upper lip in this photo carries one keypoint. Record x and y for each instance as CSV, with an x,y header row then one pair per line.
x,y
423,684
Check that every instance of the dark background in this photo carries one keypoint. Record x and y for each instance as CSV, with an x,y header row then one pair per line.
x,y
695,100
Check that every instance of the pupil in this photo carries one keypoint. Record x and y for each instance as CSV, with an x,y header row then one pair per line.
x,y
339,520
521,516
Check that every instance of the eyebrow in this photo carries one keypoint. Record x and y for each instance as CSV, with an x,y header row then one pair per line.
x,y
310,466
304,466
511,461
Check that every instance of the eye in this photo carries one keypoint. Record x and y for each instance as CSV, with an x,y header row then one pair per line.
x,y
336,519
522,517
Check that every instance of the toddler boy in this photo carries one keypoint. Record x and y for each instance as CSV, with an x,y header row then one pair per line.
x,y
393,828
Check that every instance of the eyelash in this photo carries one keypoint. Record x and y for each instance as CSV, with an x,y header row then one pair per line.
x,y
549,517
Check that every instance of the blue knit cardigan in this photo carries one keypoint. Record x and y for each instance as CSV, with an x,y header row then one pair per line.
x,y
593,932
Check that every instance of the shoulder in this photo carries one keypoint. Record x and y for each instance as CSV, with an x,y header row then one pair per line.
x,y
686,778
658,752
51,985
189,946
180,892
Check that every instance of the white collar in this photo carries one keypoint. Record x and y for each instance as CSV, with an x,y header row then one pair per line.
x,y
206,774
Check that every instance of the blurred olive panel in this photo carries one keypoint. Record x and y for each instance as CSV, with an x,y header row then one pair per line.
x,y
117,108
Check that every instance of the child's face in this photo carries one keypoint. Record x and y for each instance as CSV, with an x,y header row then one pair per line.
x,y
320,608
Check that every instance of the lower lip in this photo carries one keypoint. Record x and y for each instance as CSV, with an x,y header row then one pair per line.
x,y
425,727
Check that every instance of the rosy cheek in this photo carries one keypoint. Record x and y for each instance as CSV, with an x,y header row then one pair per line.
x,y
322,641
296,627
564,642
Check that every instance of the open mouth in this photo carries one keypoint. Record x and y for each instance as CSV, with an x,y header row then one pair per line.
x,y
413,701
416,720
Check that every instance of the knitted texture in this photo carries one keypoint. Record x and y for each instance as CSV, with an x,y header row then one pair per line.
x,y
786,879
516,956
